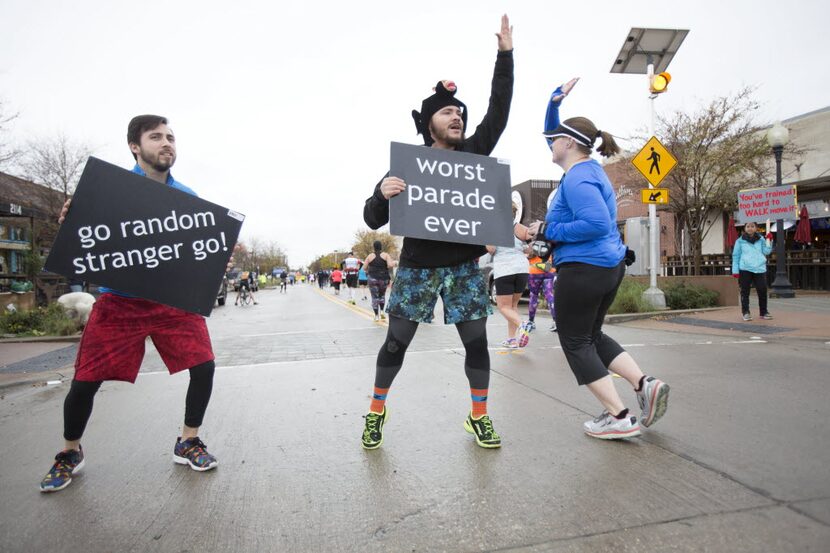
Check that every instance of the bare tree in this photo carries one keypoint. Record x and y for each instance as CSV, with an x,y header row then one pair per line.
x,y
56,163
8,153
720,149
365,238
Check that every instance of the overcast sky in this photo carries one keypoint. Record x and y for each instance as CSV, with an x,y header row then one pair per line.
x,y
286,113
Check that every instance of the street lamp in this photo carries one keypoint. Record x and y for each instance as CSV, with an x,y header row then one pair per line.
x,y
777,137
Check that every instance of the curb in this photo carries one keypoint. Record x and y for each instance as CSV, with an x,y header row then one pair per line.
x,y
31,339
626,317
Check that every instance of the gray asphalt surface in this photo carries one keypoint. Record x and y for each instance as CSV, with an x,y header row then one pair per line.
x,y
739,463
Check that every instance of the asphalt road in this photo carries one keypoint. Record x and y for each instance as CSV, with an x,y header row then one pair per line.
x,y
739,463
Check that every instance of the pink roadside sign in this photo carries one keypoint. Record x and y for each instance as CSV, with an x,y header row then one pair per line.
x,y
776,202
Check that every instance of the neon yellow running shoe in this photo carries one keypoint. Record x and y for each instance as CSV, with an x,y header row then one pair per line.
x,y
373,431
482,429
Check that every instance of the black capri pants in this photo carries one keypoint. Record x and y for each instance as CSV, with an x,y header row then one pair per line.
x,y
583,295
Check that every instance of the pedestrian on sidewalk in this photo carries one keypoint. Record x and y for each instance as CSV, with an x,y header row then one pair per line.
x,y
589,255
510,272
112,346
433,268
378,263
749,266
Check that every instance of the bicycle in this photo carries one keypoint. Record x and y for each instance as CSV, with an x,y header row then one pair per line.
x,y
245,296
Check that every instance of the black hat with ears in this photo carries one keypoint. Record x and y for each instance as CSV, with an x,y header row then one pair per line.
x,y
444,96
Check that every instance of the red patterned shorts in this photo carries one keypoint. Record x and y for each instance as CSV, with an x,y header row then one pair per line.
x,y
112,346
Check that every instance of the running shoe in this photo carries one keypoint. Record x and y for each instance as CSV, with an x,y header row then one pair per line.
x,y
531,326
482,429
524,335
193,452
67,464
373,431
382,316
377,317
766,317
553,326
352,302
510,343
653,400
747,317
608,427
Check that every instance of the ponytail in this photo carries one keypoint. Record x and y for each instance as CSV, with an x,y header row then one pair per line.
x,y
608,147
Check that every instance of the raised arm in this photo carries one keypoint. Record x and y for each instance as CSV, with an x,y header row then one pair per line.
x,y
487,133
556,97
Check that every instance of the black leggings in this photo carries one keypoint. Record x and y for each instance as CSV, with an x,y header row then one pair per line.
x,y
401,331
77,407
582,297
747,279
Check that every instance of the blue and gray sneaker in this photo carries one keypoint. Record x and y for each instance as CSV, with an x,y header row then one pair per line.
x,y
193,452
608,427
68,463
653,400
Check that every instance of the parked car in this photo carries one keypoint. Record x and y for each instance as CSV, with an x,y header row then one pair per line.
x,y
222,295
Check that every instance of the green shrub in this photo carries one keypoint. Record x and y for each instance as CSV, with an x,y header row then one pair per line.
x,y
630,298
689,296
51,320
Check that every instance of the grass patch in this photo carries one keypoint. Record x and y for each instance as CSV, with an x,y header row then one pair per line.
x,y
689,296
42,321
630,298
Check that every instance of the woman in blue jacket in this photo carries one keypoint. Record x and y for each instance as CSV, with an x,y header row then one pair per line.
x,y
749,265
589,257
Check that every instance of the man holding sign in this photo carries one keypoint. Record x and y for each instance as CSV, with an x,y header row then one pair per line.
x,y
433,268
112,346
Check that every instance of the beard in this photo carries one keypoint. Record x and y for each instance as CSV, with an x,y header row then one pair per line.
x,y
444,136
157,163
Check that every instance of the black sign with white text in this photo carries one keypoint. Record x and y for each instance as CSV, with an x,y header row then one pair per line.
x,y
144,238
451,196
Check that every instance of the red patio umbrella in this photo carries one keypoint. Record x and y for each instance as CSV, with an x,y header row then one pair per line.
x,y
731,233
802,231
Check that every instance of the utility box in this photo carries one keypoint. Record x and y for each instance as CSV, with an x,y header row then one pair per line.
x,y
636,238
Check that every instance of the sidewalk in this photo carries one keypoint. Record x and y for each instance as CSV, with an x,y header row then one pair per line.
x,y
807,316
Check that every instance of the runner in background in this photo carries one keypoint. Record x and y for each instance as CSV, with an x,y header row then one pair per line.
x,y
362,280
542,278
351,268
336,280
379,262
510,274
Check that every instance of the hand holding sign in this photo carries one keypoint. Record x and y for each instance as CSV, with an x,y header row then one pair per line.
x,y
392,186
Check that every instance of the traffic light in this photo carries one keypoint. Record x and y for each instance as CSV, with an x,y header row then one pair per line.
x,y
659,83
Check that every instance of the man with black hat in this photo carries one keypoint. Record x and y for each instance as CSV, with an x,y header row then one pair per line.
x,y
431,268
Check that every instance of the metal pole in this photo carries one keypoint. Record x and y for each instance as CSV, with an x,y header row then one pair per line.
x,y
781,286
653,294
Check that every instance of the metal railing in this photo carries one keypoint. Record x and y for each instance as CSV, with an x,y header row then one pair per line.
x,y
807,269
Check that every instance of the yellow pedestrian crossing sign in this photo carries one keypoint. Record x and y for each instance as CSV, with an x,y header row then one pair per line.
x,y
654,161
655,195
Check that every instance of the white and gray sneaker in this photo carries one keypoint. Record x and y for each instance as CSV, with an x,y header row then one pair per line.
x,y
653,400
608,427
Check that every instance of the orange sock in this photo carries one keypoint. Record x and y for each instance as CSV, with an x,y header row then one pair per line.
x,y
479,397
378,400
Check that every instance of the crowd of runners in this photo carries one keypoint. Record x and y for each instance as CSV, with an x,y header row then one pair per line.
x,y
574,259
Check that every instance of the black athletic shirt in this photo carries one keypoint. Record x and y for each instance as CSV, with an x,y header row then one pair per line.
x,y
378,268
419,253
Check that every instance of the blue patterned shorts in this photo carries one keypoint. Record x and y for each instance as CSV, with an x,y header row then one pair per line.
x,y
461,288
